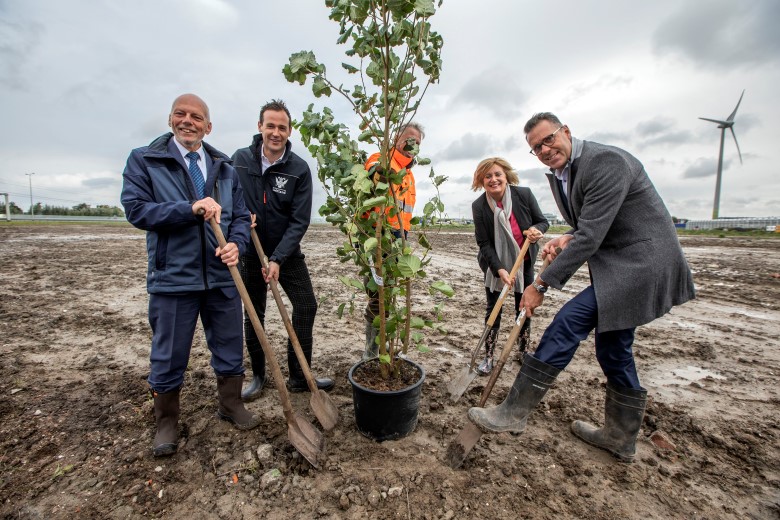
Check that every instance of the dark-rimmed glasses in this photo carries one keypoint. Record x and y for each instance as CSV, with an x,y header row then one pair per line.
x,y
547,141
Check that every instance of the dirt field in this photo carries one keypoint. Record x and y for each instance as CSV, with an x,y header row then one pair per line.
x,y
76,422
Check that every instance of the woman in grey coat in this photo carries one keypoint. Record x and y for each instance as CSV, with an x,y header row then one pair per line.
x,y
501,215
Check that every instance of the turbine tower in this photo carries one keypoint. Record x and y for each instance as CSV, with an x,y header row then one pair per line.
x,y
723,125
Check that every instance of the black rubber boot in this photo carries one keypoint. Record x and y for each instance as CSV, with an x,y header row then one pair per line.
x,y
257,357
372,349
524,339
297,382
486,367
166,416
530,386
231,408
624,410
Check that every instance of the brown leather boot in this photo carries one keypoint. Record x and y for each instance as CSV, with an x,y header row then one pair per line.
x,y
166,415
231,407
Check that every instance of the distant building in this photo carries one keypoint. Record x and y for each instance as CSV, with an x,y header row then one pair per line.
x,y
763,223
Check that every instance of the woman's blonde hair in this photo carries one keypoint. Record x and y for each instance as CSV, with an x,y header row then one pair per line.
x,y
487,164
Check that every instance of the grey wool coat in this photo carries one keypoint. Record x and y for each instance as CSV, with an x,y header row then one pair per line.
x,y
624,232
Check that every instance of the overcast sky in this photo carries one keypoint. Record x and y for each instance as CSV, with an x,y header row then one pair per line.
x,y
82,82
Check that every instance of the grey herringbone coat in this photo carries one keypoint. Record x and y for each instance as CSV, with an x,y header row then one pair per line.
x,y
624,232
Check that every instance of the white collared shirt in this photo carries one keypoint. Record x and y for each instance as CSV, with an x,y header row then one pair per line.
x,y
266,162
563,174
201,157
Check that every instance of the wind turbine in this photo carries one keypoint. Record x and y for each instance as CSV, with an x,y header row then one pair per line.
x,y
723,125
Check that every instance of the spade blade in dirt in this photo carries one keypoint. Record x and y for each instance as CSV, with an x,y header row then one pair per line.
x,y
460,448
321,404
306,439
461,382
301,434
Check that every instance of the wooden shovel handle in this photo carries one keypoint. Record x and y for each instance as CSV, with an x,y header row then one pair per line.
x,y
270,356
285,317
516,267
499,303
507,350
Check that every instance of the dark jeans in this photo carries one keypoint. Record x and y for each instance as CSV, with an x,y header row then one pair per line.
x,y
572,324
173,319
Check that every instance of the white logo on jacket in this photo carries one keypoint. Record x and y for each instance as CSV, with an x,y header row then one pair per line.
x,y
281,182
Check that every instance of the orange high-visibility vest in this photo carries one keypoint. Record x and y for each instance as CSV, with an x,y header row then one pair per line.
x,y
405,193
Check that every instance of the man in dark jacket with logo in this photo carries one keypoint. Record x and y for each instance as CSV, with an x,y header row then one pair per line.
x,y
277,188
166,187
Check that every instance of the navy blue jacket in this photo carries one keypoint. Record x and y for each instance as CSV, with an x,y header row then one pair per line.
x,y
158,193
281,197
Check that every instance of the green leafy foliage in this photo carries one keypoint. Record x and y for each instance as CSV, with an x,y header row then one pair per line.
x,y
395,56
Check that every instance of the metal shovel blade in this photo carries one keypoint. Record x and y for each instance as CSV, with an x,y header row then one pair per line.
x,y
459,384
457,387
321,404
306,439
302,435
459,449
324,409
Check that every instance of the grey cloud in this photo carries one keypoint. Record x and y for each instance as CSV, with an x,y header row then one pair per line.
x,y
722,33
654,126
704,168
605,82
17,43
606,137
515,141
495,90
675,138
459,179
469,146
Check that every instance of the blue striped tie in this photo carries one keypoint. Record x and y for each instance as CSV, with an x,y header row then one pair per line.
x,y
196,174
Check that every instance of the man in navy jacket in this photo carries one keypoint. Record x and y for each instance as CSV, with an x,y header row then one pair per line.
x,y
171,189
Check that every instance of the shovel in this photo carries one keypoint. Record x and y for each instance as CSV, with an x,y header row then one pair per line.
x,y
469,436
302,435
322,406
461,382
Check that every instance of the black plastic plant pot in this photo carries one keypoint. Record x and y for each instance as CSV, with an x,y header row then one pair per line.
x,y
386,415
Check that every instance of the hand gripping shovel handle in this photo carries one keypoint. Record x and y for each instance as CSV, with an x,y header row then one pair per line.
x,y
323,408
293,422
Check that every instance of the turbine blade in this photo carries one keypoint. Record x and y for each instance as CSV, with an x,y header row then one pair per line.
x,y
715,121
731,117
736,143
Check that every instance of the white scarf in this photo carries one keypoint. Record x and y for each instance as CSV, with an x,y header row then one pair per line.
x,y
505,243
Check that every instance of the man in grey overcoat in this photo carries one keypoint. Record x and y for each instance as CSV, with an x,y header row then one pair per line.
x,y
622,229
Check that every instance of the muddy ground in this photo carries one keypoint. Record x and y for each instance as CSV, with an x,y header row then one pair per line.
x,y
76,423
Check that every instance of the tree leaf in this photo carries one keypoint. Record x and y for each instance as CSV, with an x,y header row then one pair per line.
x,y
409,265
443,288
370,244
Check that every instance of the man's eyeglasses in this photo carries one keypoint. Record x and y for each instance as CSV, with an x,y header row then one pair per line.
x,y
547,141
